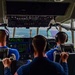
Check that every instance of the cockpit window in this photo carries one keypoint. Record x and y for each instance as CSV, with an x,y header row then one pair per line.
x,y
22,32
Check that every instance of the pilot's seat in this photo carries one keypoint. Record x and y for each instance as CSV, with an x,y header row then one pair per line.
x,y
67,48
3,54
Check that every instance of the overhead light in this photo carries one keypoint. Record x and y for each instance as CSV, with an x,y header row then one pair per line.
x,y
58,0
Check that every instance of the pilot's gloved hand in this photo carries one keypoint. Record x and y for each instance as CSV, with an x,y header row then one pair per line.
x,y
64,56
6,62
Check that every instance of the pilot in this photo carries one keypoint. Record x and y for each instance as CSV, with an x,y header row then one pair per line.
x,y
61,38
4,36
40,65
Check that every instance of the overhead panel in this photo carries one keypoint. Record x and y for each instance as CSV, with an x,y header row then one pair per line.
x,y
28,21
33,14
36,8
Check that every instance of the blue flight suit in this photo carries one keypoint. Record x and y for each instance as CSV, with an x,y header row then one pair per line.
x,y
50,53
40,66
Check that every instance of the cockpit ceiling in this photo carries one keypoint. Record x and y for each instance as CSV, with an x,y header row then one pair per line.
x,y
36,8
45,0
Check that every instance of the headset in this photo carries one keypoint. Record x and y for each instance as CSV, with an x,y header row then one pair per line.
x,y
6,32
61,36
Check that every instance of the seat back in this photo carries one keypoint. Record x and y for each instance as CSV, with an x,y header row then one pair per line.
x,y
71,62
3,53
1,68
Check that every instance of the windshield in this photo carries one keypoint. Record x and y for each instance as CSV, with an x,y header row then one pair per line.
x,y
22,32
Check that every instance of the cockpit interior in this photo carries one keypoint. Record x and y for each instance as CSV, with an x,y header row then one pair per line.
x,y
17,14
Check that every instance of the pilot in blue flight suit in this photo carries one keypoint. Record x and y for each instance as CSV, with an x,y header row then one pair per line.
x,y
4,35
61,38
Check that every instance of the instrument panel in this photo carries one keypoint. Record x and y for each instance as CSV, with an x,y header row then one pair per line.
x,y
25,48
21,44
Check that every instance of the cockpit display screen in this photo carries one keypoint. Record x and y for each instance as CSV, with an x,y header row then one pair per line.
x,y
21,44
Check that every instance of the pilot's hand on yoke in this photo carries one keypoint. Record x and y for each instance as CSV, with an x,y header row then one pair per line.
x,y
64,56
6,62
